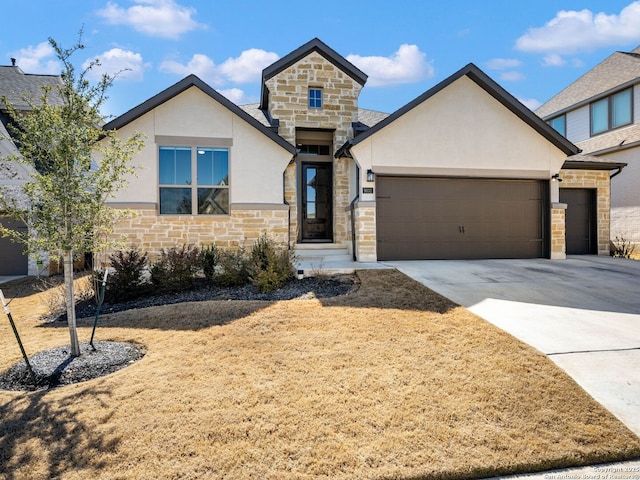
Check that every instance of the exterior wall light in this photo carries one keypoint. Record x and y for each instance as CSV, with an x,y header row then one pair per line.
x,y
556,178
370,176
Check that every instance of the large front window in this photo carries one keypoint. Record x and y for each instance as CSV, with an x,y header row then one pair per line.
x,y
611,112
194,180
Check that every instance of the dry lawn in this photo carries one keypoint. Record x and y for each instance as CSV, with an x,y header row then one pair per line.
x,y
392,381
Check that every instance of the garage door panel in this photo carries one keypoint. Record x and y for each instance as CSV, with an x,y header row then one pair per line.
x,y
424,218
13,260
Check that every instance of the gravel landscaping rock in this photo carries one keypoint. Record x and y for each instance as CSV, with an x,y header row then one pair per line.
x,y
57,367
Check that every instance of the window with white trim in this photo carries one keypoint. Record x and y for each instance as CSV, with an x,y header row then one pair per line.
x,y
315,97
193,180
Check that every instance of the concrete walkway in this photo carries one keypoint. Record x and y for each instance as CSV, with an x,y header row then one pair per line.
x,y
583,312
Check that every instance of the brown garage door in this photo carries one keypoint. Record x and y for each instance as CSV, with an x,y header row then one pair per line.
x,y
444,218
580,220
12,260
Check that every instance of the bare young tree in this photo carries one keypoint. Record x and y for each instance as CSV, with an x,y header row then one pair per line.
x,y
75,167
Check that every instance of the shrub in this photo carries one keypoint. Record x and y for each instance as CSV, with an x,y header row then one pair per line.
x,y
621,247
270,266
209,260
175,269
127,280
234,269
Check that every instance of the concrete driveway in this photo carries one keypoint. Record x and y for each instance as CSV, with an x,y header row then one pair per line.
x,y
583,312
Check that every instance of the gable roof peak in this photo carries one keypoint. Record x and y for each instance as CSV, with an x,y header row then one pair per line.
x,y
313,45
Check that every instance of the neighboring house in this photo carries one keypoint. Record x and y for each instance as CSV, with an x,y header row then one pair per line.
x,y
463,171
600,113
17,86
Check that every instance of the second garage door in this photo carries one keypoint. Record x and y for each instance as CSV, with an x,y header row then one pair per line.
x,y
444,218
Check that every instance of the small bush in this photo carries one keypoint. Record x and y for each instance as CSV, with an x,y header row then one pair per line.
x,y
233,269
127,279
209,260
270,267
175,269
621,247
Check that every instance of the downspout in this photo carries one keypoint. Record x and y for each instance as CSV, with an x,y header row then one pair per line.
x,y
616,173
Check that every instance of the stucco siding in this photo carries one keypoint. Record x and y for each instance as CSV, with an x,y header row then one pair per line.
x,y
194,115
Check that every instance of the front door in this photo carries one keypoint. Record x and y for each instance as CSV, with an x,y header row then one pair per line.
x,y
317,200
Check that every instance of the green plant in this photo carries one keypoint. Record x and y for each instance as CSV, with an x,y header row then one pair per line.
x,y
270,267
234,268
175,269
209,260
621,247
127,280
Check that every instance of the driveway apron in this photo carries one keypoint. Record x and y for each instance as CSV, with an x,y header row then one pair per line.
x,y
582,312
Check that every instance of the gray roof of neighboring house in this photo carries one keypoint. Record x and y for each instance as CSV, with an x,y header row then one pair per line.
x,y
16,85
618,139
493,89
617,71
366,117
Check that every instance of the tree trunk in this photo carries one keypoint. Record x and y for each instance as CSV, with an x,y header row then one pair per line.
x,y
70,301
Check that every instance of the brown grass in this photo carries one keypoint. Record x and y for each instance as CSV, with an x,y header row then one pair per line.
x,y
392,381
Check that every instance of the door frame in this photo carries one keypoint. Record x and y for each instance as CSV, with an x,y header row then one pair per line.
x,y
302,200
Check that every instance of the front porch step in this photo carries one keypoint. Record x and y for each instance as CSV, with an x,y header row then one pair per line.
x,y
322,253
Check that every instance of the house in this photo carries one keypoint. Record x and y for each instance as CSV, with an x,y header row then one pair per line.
x,y
17,86
463,171
600,114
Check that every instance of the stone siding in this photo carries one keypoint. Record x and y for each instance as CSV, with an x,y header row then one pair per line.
x,y
288,102
599,180
151,232
558,231
365,223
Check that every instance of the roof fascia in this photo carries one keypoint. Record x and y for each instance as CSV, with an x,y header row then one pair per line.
x,y
578,165
314,45
181,86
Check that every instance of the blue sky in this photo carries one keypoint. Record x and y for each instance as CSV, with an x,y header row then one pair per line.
x,y
532,48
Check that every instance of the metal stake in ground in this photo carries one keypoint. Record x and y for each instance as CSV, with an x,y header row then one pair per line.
x,y
100,300
15,331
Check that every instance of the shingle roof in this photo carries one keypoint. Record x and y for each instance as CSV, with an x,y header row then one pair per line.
x,y
619,69
16,85
589,162
620,138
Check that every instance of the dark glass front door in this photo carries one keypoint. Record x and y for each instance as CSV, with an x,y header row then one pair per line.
x,y
317,199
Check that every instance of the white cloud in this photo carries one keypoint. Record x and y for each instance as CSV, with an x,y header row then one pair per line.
x,y
530,103
553,60
157,18
502,63
512,76
407,65
124,64
199,65
572,31
248,66
237,96
38,59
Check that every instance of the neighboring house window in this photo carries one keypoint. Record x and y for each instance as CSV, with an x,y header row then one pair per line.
x,y
315,98
611,112
559,125
181,193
